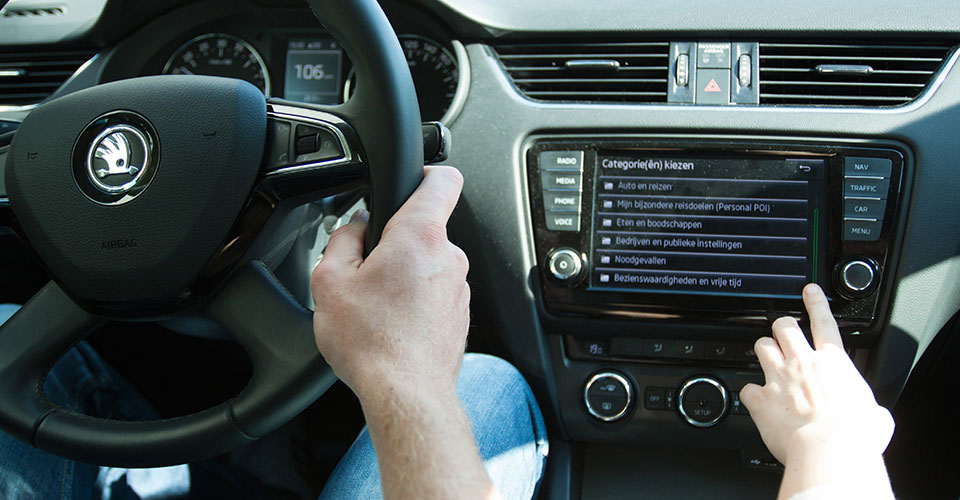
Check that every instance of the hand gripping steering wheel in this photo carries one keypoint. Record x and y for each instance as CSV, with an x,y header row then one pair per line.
x,y
144,199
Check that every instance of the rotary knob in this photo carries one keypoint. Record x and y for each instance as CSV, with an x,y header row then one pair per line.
x,y
607,396
565,264
703,401
858,276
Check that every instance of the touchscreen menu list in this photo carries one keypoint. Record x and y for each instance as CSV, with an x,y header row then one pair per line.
x,y
741,226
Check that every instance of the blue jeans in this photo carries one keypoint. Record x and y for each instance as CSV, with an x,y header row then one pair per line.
x,y
503,413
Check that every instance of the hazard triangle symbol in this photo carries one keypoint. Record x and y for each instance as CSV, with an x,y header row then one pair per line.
x,y
712,86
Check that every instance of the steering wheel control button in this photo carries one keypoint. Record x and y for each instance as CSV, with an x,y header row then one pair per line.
x,y
277,152
857,276
115,158
316,144
872,167
565,264
607,396
703,401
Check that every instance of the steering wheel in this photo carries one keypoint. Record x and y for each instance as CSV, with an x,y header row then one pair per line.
x,y
144,199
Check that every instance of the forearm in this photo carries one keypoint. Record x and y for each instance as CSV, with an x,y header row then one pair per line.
x,y
836,469
425,448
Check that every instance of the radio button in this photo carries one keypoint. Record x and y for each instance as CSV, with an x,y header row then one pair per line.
x,y
564,264
874,188
861,230
567,181
561,200
561,160
874,167
566,221
863,208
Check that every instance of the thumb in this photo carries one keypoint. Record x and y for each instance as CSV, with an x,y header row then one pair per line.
x,y
345,247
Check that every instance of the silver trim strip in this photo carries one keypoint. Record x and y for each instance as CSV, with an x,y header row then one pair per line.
x,y
463,84
66,82
320,119
705,380
619,378
12,72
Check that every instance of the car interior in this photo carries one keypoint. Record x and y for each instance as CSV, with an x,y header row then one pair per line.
x,y
647,187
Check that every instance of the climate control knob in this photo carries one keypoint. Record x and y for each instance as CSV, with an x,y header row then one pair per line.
x,y
565,264
703,401
607,396
857,276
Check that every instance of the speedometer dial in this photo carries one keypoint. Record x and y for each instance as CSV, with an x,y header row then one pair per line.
x,y
435,75
219,54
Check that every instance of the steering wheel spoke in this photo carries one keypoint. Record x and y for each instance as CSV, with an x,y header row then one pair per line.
x,y
277,332
31,342
310,152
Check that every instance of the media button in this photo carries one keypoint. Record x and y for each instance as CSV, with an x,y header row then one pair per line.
x,y
562,200
864,208
568,181
874,167
861,230
874,188
561,160
563,221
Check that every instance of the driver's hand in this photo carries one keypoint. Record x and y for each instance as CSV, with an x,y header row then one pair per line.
x,y
398,319
814,398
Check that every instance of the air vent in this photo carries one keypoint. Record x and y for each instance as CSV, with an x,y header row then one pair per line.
x,y
589,72
54,10
847,74
29,77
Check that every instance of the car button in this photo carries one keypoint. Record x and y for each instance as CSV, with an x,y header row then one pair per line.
x,y
863,208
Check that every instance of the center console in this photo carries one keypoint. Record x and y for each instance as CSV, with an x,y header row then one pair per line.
x,y
661,261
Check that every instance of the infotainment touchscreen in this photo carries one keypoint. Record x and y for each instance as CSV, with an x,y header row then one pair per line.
x,y
746,226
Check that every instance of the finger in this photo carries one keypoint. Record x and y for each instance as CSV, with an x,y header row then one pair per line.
x,y
770,356
345,247
790,338
822,324
436,197
750,396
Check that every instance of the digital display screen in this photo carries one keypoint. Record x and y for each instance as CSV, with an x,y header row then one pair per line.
x,y
745,226
313,72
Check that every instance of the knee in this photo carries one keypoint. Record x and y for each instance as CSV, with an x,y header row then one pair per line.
x,y
483,373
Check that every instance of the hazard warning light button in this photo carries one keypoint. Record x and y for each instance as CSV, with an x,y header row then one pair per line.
x,y
713,86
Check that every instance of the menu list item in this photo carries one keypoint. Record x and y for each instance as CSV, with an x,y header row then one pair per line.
x,y
741,226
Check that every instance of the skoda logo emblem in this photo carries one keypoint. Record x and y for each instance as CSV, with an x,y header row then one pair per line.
x,y
118,159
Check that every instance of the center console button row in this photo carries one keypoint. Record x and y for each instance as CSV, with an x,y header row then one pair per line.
x,y
682,349
561,181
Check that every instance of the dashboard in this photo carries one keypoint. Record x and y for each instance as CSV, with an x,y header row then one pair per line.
x,y
291,56
647,186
